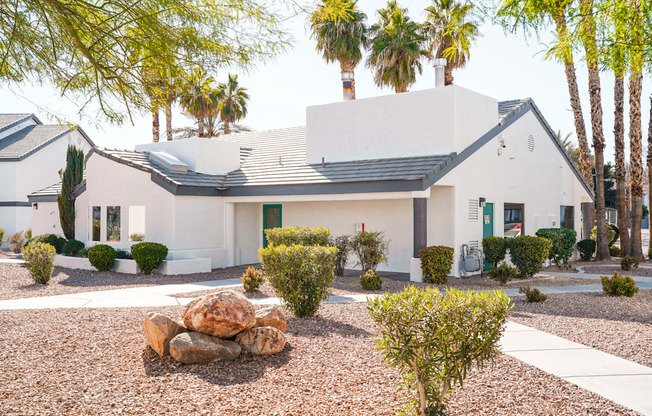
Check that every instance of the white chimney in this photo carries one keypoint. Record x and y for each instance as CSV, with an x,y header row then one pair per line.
x,y
440,65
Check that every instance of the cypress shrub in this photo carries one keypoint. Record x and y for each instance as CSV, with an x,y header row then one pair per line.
x,y
71,176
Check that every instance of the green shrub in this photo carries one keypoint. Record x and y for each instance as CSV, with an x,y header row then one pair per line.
x,y
614,251
72,247
586,249
300,275
2,236
628,262
613,234
16,241
495,249
532,295
137,237
618,285
83,252
28,234
39,259
436,263
343,245
252,278
503,273
123,255
148,256
371,248
304,236
529,253
563,244
371,281
102,257
433,340
55,240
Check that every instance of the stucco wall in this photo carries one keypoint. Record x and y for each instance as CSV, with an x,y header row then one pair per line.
x,y
45,219
248,232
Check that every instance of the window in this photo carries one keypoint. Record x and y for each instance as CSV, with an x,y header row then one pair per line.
x,y
136,223
567,217
113,224
96,223
513,220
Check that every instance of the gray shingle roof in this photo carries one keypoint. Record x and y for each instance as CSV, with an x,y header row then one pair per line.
x,y
49,191
9,120
506,109
26,141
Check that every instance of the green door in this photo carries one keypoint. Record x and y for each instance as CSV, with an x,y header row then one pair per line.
x,y
487,225
271,219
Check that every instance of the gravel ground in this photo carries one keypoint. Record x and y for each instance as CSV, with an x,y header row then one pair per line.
x,y
617,325
98,363
609,268
17,283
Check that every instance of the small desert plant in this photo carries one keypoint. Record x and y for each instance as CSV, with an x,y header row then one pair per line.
x,y
371,249
433,339
614,251
304,236
529,253
628,262
371,281
2,236
28,234
137,237
83,252
300,275
586,249
252,278
39,259
503,273
343,245
532,295
436,263
72,247
102,257
495,249
16,241
123,255
148,256
618,285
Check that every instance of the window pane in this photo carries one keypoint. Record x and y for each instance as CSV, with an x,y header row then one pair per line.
x,y
97,218
567,217
137,223
112,223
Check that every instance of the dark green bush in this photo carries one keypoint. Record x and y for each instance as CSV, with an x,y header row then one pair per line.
x,y
102,257
252,278
300,275
343,245
563,244
586,249
371,248
304,236
495,249
532,295
148,256
55,240
436,263
528,253
39,259
123,255
613,234
628,262
371,281
614,251
503,273
72,247
618,285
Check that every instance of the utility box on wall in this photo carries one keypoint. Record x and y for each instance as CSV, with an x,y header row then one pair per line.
x,y
359,227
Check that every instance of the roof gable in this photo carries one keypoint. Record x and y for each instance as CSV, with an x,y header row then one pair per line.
x,y
28,140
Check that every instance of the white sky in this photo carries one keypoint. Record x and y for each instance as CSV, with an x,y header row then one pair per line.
x,y
501,66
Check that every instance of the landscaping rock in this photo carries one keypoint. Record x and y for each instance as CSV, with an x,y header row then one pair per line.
x,y
271,316
160,330
262,340
193,347
221,314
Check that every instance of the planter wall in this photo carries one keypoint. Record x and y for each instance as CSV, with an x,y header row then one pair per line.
x,y
168,267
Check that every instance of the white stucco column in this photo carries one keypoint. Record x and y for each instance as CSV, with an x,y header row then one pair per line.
x,y
229,231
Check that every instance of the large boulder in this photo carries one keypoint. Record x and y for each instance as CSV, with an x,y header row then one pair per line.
x,y
221,314
160,330
271,316
193,347
261,340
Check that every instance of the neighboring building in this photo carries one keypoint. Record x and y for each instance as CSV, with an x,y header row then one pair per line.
x,y
31,155
445,166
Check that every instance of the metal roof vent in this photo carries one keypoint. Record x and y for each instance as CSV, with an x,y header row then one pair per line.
x,y
169,162
530,143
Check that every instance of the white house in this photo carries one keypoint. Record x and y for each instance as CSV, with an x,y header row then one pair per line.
x,y
444,166
31,155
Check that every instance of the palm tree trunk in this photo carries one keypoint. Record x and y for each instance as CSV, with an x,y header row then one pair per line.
x,y
590,47
621,171
155,124
649,172
168,119
636,162
200,126
227,127
576,104
448,75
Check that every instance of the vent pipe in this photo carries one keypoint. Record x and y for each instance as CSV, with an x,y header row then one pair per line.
x,y
440,66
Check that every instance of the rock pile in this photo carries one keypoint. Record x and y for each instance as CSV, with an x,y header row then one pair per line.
x,y
217,326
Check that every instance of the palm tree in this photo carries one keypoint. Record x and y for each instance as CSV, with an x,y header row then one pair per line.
x,y
199,98
232,100
341,33
450,33
397,48
213,127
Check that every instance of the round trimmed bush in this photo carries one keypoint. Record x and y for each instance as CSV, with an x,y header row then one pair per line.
x,y
528,254
586,248
371,281
563,244
73,247
614,251
39,258
436,263
148,256
494,249
102,257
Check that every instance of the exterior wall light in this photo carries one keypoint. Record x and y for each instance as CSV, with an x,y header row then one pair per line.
x,y
483,201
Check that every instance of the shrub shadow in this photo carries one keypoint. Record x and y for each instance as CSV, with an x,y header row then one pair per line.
x,y
319,326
